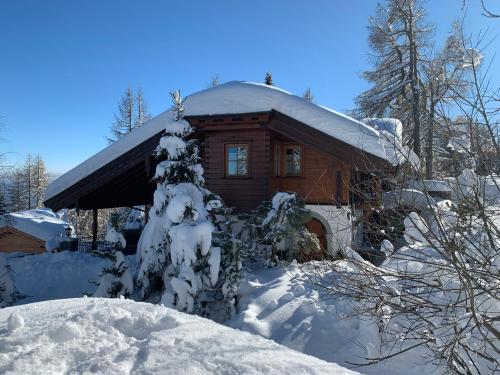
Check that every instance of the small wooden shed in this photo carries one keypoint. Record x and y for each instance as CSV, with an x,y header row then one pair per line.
x,y
12,240
31,231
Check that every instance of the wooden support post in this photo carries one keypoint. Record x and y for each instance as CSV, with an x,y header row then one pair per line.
x,y
94,229
147,207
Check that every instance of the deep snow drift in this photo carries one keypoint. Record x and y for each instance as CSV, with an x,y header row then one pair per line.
x,y
47,276
105,336
281,304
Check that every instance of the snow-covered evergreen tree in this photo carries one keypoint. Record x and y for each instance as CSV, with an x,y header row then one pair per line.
x,y
180,249
221,301
8,293
283,224
279,225
116,280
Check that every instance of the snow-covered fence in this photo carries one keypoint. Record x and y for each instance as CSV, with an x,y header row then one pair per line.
x,y
85,244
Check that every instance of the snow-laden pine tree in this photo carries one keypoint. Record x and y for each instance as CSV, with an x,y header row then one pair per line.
x,y
397,38
278,226
8,293
116,280
180,249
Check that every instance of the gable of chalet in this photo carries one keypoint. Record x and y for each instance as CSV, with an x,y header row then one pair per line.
x,y
120,175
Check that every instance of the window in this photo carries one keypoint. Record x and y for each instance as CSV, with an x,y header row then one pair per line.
x,y
237,160
293,160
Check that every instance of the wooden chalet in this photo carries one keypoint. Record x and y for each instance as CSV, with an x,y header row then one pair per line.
x,y
255,140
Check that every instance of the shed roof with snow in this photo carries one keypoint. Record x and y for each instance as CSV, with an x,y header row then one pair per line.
x,y
40,224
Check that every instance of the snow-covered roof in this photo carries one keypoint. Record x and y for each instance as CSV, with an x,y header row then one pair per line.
x,y
238,97
39,223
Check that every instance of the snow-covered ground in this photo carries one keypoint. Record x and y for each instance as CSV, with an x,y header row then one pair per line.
x,y
48,276
281,304
105,336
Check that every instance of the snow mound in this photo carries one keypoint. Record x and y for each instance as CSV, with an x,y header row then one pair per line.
x,y
49,276
284,305
105,336
41,223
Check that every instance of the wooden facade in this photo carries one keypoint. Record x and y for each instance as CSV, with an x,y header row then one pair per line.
x,y
324,176
327,165
12,240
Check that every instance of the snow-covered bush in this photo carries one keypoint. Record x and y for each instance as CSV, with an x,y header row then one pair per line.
x,y
181,250
440,293
115,238
279,225
116,280
8,293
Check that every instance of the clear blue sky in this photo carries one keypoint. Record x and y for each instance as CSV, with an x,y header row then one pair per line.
x,y
64,64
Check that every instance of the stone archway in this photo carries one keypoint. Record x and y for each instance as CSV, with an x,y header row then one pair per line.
x,y
319,225
315,226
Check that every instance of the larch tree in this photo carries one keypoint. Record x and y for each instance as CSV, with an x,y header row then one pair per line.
x,y
141,112
28,181
215,81
16,192
124,120
3,203
40,181
397,37
308,95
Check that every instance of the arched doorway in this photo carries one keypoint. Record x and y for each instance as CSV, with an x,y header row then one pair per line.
x,y
315,226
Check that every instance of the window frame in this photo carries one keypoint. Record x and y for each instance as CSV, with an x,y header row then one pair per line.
x,y
284,162
227,145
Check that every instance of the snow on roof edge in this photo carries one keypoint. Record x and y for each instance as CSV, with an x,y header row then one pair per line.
x,y
138,135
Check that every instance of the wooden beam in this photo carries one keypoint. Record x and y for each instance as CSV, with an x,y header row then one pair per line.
x,y
95,213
